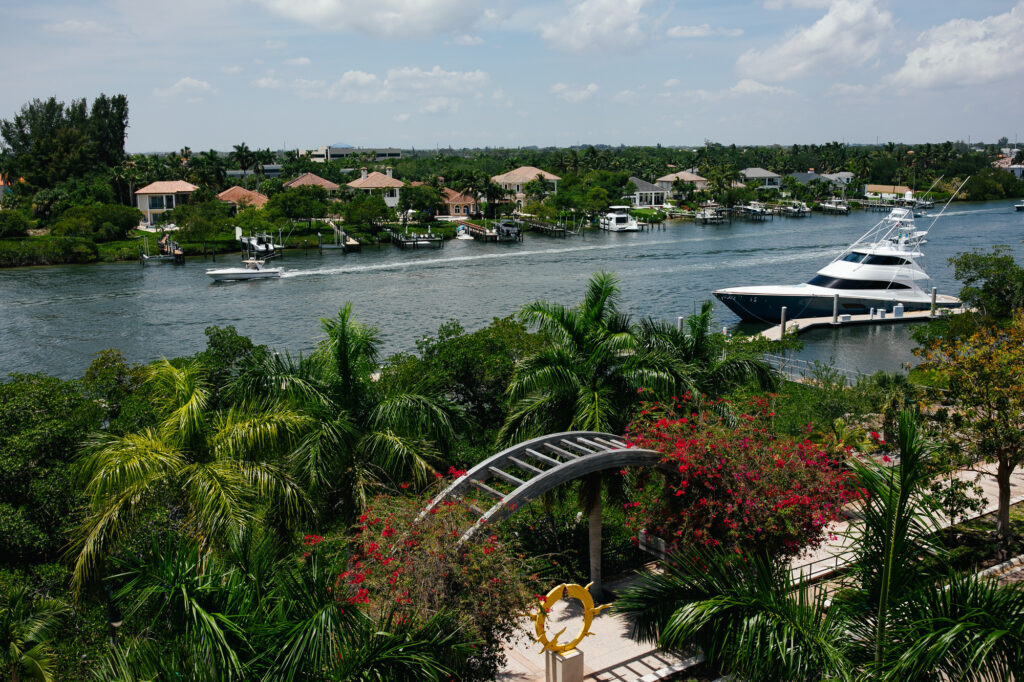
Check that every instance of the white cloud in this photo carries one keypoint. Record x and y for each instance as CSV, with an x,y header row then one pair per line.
x,y
73,26
269,81
850,33
188,87
435,90
573,93
598,24
466,40
965,52
412,18
702,31
439,105
275,44
798,4
624,96
402,118
298,61
231,70
671,83
743,88
847,89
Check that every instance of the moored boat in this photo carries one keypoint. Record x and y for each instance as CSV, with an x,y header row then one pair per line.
x,y
618,219
878,271
834,205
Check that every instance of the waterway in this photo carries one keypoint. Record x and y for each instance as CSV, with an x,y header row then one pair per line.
x,y
54,319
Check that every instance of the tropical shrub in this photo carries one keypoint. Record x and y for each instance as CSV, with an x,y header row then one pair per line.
x,y
13,224
738,485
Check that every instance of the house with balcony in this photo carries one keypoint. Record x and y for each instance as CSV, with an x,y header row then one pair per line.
x,y
647,194
459,204
162,196
667,182
381,183
515,181
759,178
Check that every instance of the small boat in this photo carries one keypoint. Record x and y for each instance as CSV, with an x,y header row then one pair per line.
x,y
834,205
796,209
462,232
253,270
167,250
1019,205
618,219
879,271
258,245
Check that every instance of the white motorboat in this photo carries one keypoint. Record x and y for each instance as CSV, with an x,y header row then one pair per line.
x,y
1019,205
879,270
835,205
258,245
253,270
796,209
618,219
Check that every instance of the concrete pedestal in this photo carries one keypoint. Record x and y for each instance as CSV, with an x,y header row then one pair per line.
x,y
567,667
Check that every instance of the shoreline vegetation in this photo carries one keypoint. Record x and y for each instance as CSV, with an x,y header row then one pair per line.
x,y
68,186
245,513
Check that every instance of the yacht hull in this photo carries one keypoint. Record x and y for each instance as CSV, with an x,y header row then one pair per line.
x,y
767,308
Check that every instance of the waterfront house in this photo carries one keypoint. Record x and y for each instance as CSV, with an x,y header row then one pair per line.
x,y
761,178
158,197
459,203
667,181
307,179
332,152
382,183
515,180
647,194
241,197
887,192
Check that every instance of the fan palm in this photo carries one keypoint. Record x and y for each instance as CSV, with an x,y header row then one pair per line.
x,y
27,623
898,620
371,431
217,470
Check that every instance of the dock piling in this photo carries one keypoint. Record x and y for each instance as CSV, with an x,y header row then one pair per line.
x,y
782,322
835,309
935,292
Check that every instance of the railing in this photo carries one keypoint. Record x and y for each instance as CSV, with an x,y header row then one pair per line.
x,y
795,369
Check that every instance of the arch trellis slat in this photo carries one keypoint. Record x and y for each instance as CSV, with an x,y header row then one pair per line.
x,y
536,466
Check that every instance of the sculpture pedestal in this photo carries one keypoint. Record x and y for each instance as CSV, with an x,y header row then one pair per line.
x,y
567,667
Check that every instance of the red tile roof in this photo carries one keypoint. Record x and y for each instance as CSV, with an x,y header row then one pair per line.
x,y
310,179
237,195
376,180
168,187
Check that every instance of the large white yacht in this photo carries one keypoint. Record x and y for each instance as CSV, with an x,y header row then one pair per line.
x,y
618,219
877,271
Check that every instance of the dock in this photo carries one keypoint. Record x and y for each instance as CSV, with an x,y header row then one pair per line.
x,y
803,324
343,241
506,231
415,240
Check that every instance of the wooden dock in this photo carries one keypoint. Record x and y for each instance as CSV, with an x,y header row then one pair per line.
x,y
507,231
803,324
415,240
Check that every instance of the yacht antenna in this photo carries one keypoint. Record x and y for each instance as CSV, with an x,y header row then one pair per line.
x,y
948,201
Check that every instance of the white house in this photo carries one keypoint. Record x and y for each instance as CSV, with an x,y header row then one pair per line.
x,y
376,181
164,195
759,177
666,181
647,194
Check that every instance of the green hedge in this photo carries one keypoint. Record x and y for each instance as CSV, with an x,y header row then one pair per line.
x,y
47,251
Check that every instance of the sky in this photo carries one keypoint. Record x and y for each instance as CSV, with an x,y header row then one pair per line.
x,y
290,74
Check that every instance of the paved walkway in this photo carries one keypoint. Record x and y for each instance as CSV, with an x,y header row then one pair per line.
x,y
611,655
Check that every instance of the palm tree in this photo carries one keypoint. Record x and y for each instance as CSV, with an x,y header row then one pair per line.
x,y
27,623
218,469
244,158
371,430
585,379
895,621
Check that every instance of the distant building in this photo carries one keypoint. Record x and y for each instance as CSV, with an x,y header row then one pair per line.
x,y
329,153
515,180
308,179
838,181
239,196
759,177
270,170
647,194
667,181
388,186
158,197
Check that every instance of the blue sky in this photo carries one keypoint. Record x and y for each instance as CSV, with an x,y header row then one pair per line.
x,y
426,73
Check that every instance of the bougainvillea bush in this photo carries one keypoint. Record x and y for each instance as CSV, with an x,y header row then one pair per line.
x,y
413,567
734,482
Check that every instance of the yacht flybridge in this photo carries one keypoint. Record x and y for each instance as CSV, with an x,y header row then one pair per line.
x,y
619,219
879,270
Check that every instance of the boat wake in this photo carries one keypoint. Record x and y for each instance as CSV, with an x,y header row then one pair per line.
x,y
951,213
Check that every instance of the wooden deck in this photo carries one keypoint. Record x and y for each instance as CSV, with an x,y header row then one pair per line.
x,y
803,324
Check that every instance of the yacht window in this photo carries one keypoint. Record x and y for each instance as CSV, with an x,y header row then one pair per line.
x,y
837,283
854,257
885,260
